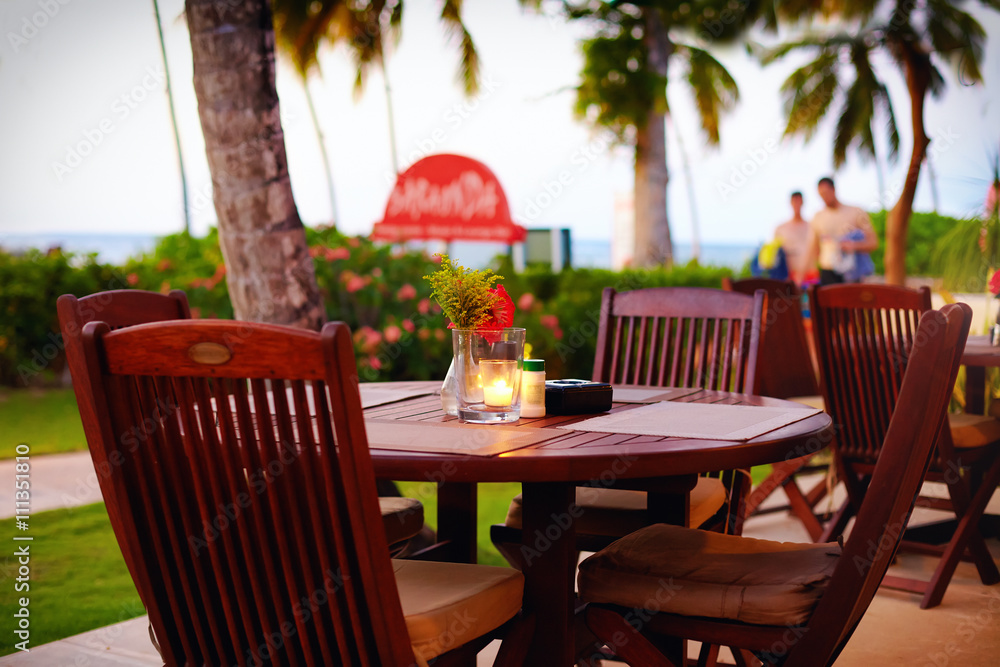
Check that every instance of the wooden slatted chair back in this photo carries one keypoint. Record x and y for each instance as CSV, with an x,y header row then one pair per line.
x,y
680,337
786,365
253,540
864,335
913,430
118,309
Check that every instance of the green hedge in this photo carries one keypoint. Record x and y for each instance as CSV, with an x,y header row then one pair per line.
x,y
379,290
923,241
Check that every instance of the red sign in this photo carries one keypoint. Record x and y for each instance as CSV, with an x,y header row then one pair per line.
x,y
448,197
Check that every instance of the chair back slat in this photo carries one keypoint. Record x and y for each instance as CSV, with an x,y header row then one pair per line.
x,y
864,335
245,492
913,430
679,337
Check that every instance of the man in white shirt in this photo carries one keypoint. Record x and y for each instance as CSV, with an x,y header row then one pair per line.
x,y
828,229
794,239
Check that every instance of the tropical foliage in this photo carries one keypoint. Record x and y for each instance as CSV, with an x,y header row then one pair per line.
x,y
918,37
623,89
399,332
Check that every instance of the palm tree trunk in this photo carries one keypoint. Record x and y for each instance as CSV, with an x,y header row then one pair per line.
x,y
388,108
173,121
322,151
898,219
692,202
268,268
653,245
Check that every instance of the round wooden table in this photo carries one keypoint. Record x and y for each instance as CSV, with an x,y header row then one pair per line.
x,y
977,357
550,471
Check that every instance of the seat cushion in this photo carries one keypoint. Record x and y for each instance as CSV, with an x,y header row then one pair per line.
x,y
701,573
402,518
618,512
973,430
449,604
812,401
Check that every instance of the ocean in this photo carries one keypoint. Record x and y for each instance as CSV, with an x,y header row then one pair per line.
x,y
593,253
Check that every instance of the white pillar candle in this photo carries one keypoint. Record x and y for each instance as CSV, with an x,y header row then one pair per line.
x,y
498,394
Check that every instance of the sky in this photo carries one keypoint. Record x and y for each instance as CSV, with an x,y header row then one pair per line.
x,y
88,148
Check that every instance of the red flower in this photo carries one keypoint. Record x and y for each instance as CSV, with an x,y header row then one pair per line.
x,y
995,283
501,316
503,310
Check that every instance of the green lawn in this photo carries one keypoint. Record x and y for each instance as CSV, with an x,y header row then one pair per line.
x,y
78,578
46,419
494,499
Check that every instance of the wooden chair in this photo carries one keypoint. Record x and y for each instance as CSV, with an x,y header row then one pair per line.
x,y
258,540
786,371
664,336
402,517
790,605
865,335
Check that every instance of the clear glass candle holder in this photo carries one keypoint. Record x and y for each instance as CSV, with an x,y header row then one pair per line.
x,y
488,374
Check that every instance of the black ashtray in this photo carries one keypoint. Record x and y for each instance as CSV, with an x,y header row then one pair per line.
x,y
577,397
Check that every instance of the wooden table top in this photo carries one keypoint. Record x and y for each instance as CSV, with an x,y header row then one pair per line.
x,y
582,456
979,352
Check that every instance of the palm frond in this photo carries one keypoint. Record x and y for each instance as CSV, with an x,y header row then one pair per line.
x,y
612,93
854,127
396,22
300,26
809,91
715,90
820,42
468,69
883,100
957,36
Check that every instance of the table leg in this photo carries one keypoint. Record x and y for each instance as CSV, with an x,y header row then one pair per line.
x,y
674,509
975,390
549,548
457,504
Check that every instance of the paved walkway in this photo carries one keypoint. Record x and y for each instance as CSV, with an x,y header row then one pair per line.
x,y
57,481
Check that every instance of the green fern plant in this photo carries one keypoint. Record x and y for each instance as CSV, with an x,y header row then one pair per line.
x,y
466,296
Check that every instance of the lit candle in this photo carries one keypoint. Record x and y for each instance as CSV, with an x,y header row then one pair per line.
x,y
498,395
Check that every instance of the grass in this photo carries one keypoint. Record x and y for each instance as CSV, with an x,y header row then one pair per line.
x,y
494,499
45,419
78,578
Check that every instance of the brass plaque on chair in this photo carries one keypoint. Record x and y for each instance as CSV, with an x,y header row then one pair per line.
x,y
209,353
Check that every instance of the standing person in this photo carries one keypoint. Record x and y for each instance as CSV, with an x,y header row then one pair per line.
x,y
836,233
794,239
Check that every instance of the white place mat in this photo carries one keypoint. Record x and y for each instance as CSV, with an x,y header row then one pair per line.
x,y
623,394
470,439
372,394
705,421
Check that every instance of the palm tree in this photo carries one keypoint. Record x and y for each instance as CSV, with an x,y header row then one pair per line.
x,y
290,17
916,35
173,120
624,89
302,25
268,268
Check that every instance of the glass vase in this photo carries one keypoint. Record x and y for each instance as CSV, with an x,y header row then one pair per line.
x,y
487,368
449,391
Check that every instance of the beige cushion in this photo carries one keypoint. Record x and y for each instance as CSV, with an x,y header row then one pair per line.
x,y
402,518
449,604
812,401
701,573
618,512
973,430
